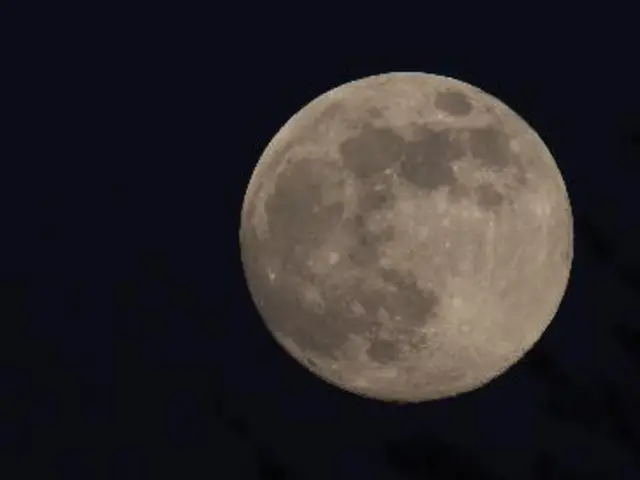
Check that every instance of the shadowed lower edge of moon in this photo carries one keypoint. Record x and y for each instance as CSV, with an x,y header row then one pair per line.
x,y
424,162
420,385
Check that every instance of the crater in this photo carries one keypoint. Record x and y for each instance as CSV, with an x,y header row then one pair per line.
x,y
453,102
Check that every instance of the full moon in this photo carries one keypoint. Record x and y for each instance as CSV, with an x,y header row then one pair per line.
x,y
406,237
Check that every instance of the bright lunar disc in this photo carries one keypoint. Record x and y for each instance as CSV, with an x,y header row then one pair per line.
x,y
406,237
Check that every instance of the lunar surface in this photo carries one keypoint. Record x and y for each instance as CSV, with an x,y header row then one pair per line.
x,y
406,237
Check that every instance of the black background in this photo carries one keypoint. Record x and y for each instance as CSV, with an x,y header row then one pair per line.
x,y
132,346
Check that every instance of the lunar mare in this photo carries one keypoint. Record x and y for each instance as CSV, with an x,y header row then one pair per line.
x,y
406,237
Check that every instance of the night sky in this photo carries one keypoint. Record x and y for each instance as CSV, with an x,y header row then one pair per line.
x,y
133,348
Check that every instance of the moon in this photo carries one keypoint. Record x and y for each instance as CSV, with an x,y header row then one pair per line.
x,y
406,237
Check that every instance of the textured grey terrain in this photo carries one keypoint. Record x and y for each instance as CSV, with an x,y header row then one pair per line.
x,y
407,236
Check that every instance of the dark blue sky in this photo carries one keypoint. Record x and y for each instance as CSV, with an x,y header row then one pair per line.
x,y
134,347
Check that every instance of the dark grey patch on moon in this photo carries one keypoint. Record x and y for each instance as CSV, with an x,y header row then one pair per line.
x,y
371,199
488,197
366,245
408,300
298,224
291,210
371,151
324,331
491,146
424,161
383,351
453,102
317,332
407,306
427,159
309,133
